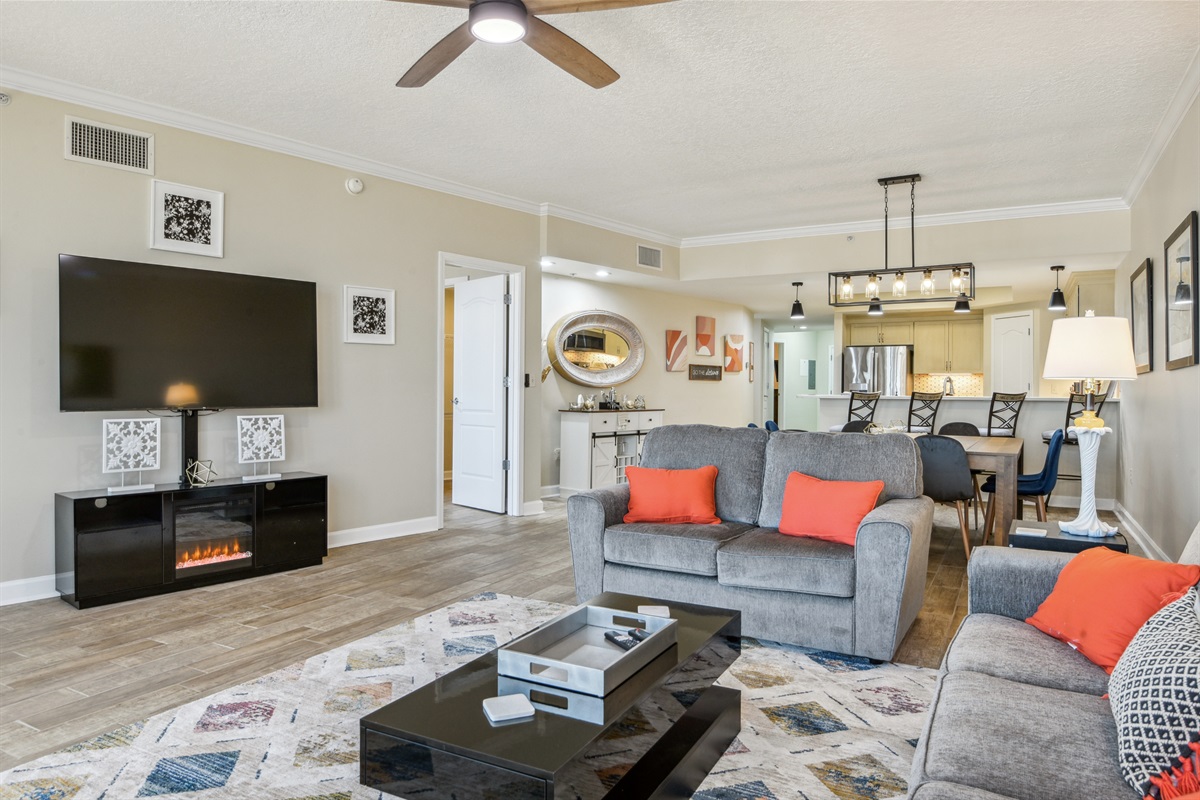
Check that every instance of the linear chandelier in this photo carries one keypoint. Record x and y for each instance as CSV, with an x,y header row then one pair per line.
x,y
875,288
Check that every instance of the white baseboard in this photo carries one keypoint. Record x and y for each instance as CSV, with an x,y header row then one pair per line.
x,y
1102,503
550,491
532,507
387,530
1133,530
25,590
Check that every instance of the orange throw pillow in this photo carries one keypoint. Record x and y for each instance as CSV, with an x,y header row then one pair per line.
x,y
672,495
829,510
1103,597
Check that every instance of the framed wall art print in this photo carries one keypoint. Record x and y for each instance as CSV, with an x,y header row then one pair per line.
x,y
186,219
370,315
1182,274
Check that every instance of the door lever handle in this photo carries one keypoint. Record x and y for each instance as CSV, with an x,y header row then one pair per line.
x,y
455,401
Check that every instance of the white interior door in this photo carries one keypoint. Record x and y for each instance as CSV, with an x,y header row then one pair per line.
x,y
1012,352
480,359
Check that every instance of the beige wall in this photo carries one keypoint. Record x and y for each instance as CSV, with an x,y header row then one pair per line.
x,y
1160,411
564,238
374,431
727,402
981,242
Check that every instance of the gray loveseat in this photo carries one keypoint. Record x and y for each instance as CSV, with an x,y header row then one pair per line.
x,y
1018,714
858,599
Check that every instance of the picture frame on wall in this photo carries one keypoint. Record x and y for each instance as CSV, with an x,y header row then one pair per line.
x,y
1182,274
1141,315
370,315
187,219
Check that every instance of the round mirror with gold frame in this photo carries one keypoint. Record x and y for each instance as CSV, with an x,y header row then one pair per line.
x,y
596,348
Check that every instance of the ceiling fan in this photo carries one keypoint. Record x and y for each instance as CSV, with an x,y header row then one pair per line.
x,y
506,21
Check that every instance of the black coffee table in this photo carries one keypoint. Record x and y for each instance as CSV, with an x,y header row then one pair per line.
x,y
668,721
1054,538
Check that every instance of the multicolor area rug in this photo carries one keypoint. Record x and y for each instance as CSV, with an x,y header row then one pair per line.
x,y
815,725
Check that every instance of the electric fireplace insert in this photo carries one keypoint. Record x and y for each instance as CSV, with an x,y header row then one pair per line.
x,y
213,534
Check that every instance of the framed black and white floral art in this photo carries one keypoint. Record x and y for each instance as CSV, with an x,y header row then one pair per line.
x,y
1182,275
1141,315
370,315
186,219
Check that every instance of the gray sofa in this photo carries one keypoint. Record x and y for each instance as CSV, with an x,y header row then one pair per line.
x,y
1018,715
859,600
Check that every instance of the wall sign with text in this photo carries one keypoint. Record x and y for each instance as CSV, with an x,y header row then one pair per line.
x,y
704,372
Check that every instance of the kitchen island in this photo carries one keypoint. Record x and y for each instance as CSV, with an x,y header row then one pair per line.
x,y
1037,414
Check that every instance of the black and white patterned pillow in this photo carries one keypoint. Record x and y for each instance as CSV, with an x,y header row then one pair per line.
x,y
1155,691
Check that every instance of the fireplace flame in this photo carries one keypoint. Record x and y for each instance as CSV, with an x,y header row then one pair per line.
x,y
211,554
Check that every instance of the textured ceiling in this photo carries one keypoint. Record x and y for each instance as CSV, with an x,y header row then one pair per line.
x,y
729,116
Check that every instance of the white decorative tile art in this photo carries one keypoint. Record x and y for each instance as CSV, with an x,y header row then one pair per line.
x,y
131,445
260,438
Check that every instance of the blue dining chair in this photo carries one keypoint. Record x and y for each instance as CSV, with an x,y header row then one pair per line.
x,y
770,425
1038,486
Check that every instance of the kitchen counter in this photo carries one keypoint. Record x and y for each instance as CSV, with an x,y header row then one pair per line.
x,y
1037,414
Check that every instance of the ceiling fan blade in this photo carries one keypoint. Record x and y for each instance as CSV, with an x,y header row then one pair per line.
x,y
449,3
572,6
438,58
568,54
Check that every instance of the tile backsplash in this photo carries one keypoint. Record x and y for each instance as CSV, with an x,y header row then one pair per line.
x,y
966,384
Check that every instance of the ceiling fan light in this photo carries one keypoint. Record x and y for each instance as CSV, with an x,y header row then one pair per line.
x,y
498,21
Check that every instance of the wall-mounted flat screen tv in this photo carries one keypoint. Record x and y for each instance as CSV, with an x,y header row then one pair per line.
x,y
144,336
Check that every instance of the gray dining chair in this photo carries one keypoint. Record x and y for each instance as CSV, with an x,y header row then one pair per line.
x,y
947,477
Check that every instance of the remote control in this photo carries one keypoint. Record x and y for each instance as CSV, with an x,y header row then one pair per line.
x,y
621,640
639,634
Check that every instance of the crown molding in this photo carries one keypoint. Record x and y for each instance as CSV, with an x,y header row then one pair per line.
x,y
1185,96
930,220
105,101
645,234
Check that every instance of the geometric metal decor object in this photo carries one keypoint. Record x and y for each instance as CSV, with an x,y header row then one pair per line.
x,y
260,440
199,473
130,445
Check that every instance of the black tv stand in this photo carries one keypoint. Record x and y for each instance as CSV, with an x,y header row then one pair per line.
x,y
110,548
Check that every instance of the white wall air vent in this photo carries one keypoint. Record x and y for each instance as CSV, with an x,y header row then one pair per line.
x,y
649,257
109,146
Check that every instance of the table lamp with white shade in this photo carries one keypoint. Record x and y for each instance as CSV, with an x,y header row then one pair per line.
x,y
1091,349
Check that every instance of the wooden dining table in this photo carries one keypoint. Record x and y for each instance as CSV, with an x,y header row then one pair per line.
x,y
1001,455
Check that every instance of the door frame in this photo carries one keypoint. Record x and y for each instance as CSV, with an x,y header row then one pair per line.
x,y
514,487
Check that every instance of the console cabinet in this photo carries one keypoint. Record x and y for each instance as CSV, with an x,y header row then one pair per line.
x,y
110,548
595,447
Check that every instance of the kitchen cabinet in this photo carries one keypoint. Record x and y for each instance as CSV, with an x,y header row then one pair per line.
x,y
948,346
881,333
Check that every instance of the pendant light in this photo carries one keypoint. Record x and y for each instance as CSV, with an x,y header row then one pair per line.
x,y
872,285
847,288
797,306
956,280
899,287
962,305
875,309
927,284
1183,292
1057,301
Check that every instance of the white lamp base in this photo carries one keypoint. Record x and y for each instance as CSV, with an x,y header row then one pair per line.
x,y
1088,523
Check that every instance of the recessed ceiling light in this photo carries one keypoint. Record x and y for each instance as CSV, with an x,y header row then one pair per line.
x,y
602,273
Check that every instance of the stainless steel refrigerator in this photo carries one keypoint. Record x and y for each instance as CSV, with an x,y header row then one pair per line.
x,y
878,368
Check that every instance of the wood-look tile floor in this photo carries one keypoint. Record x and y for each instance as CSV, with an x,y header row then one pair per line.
x,y
68,674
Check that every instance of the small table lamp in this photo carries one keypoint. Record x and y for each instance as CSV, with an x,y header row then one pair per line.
x,y
1091,349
